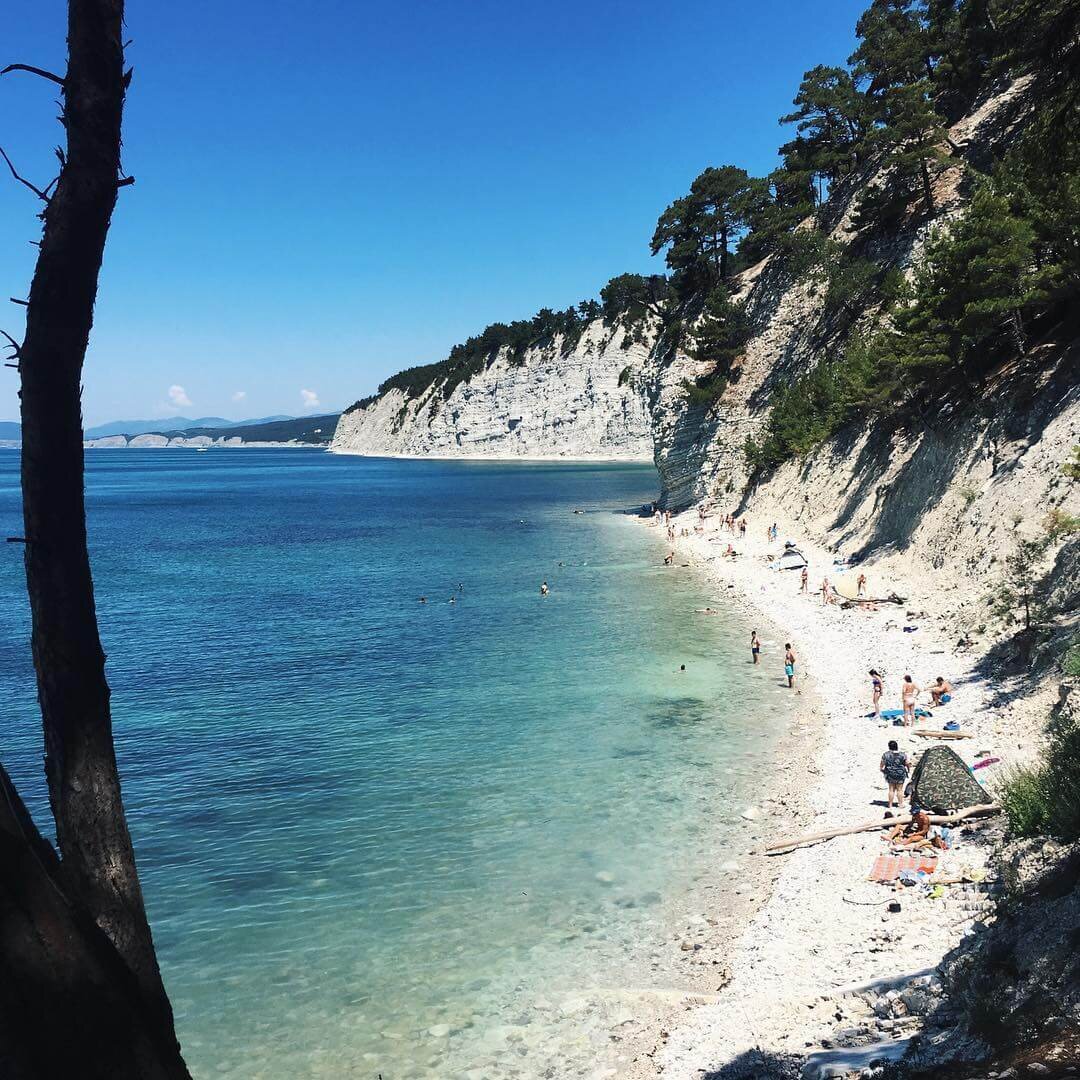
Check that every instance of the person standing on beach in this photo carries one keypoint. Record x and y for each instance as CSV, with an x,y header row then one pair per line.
x,y
789,664
825,590
755,645
742,527
895,768
879,686
909,692
861,585
804,580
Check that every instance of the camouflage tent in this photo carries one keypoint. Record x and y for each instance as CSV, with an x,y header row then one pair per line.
x,y
942,783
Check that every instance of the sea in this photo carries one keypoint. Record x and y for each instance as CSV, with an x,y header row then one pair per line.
x,y
396,813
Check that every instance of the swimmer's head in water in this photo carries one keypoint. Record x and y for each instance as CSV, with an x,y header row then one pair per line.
x,y
682,667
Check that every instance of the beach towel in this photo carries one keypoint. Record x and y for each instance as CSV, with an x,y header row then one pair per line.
x,y
889,867
892,714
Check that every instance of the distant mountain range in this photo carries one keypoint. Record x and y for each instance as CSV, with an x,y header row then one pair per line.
x,y
315,430
170,423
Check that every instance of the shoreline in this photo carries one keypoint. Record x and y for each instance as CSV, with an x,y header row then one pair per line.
x,y
821,931
745,885
570,459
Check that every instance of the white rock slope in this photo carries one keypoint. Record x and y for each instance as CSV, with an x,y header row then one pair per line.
x,y
586,403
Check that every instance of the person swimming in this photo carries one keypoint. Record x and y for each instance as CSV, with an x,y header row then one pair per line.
x,y
544,589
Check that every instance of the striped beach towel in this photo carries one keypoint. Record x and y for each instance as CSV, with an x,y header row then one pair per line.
x,y
889,867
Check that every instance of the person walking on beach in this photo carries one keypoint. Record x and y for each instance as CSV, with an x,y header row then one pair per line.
x,y
861,585
825,590
878,685
804,580
789,664
909,692
895,768
755,645
742,527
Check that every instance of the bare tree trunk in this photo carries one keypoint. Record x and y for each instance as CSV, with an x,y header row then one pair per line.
x,y
928,188
97,859
1016,331
69,1006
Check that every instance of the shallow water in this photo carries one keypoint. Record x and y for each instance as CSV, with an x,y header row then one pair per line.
x,y
379,836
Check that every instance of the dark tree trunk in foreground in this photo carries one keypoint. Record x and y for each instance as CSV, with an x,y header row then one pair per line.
x,y
69,1005
49,913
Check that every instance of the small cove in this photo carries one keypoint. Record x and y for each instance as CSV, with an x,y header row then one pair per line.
x,y
380,836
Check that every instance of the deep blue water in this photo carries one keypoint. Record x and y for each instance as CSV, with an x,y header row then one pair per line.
x,y
383,836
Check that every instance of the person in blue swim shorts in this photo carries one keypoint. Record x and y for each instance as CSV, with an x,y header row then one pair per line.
x,y
942,692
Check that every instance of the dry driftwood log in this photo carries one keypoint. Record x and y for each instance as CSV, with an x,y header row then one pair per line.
x,y
784,846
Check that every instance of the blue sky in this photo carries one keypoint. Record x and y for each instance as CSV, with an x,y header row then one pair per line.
x,y
330,191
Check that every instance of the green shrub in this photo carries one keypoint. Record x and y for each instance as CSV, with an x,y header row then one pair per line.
x,y
1044,800
1070,662
706,390
1058,523
1071,468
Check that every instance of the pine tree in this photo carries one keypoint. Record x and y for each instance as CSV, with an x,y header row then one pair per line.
x,y
701,229
972,288
895,60
832,122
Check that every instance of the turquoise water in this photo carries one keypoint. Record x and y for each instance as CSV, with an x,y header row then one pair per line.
x,y
379,836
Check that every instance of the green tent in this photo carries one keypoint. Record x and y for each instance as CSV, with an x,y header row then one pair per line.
x,y
942,783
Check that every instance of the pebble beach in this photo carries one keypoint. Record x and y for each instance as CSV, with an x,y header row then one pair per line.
x,y
824,966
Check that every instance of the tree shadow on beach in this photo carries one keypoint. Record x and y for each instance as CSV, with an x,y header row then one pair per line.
x,y
758,1065
1013,665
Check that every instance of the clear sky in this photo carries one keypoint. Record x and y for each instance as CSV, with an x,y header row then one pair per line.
x,y
329,191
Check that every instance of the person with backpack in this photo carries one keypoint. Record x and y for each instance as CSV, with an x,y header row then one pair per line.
x,y
895,767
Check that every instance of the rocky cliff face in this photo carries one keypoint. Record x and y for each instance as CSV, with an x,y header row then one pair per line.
x,y
582,403
952,493
699,453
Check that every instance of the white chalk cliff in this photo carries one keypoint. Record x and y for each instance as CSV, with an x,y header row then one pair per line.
x,y
936,495
585,403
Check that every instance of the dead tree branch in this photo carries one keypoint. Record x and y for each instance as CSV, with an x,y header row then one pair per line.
x,y
34,71
22,180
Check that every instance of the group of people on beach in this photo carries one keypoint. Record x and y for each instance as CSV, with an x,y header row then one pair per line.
x,y
895,766
940,694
